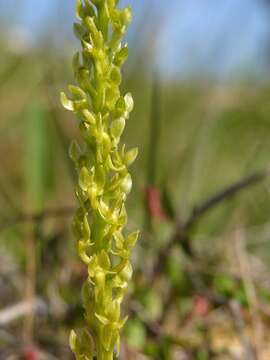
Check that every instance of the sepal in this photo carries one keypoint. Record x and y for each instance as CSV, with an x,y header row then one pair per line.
x,y
131,156
66,103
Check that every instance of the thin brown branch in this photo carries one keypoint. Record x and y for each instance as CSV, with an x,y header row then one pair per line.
x,y
181,233
224,195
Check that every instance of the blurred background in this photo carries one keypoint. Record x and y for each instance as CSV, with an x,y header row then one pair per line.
x,y
199,72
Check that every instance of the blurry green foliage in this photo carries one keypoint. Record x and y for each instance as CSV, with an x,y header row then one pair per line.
x,y
152,304
39,156
135,333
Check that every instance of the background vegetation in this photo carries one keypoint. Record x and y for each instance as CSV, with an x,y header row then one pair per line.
x,y
201,196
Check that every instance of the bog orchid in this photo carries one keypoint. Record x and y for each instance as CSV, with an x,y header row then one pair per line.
x,y
104,180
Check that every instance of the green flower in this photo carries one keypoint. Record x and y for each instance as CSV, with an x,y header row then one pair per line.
x,y
103,176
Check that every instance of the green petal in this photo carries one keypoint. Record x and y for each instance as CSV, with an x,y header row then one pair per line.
x,y
102,319
126,184
121,56
118,127
74,151
67,103
131,156
129,102
104,260
73,341
85,180
132,239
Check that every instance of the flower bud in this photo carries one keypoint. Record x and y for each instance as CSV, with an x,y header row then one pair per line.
x,y
118,127
126,184
74,151
84,179
121,56
115,75
131,156
129,102
132,239
67,104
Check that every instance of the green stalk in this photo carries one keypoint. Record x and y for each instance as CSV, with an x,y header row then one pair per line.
x,y
103,178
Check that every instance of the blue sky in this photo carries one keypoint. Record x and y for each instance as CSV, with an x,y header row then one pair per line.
x,y
216,37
